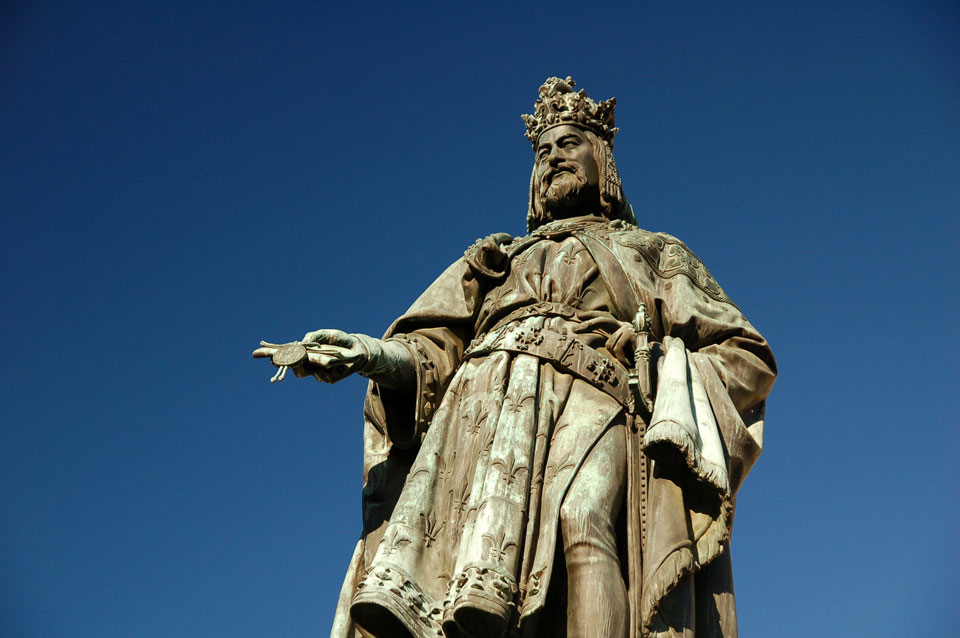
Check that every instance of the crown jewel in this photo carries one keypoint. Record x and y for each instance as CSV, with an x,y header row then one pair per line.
x,y
560,104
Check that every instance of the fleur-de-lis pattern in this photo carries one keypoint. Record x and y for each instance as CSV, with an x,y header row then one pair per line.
x,y
487,445
479,530
459,497
431,527
497,546
394,541
461,529
472,415
444,469
553,271
497,299
513,404
509,468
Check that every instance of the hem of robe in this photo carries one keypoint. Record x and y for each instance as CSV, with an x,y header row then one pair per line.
x,y
408,604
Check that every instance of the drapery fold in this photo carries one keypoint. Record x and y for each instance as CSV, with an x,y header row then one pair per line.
x,y
704,436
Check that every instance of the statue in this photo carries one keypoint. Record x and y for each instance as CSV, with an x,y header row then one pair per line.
x,y
556,429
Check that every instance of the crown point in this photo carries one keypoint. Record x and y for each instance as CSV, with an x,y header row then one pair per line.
x,y
558,104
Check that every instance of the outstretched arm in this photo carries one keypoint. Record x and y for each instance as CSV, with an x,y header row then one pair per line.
x,y
387,363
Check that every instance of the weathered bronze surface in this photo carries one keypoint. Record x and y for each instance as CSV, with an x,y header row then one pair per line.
x,y
555,431
290,354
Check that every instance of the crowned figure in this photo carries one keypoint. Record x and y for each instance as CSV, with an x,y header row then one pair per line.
x,y
555,431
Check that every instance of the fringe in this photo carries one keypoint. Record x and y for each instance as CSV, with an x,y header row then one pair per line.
x,y
677,565
684,421
673,432
684,562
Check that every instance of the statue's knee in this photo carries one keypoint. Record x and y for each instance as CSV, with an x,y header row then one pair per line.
x,y
582,522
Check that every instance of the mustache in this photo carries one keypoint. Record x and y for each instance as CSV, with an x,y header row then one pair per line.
x,y
569,167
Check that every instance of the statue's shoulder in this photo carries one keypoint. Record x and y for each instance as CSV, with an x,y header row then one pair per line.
x,y
649,244
669,257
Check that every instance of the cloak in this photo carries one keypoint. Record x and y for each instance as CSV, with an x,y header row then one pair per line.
x,y
463,477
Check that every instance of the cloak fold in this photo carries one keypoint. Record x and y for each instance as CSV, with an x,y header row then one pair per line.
x,y
516,416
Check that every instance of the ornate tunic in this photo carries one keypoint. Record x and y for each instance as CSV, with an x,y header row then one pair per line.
x,y
515,387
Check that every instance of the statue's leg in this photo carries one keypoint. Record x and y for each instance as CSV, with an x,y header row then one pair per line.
x,y
596,593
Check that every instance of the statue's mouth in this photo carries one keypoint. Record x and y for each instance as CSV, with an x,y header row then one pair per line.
x,y
562,169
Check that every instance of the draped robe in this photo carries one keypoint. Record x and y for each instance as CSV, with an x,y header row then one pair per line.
x,y
464,476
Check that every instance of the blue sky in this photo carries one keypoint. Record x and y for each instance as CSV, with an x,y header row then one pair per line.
x,y
181,180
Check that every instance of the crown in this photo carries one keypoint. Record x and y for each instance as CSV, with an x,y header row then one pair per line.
x,y
560,104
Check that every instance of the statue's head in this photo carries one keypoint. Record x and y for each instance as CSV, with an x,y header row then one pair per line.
x,y
574,172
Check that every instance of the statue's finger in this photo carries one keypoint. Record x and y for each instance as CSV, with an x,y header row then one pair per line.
x,y
621,345
260,353
622,340
613,342
321,360
336,338
327,335
316,336
590,324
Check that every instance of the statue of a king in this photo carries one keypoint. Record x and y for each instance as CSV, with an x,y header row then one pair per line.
x,y
555,431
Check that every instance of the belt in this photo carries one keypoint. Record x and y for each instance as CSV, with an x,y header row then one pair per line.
x,y
539,309
566,351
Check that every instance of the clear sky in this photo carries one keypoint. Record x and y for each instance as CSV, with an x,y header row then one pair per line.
x,y
182,179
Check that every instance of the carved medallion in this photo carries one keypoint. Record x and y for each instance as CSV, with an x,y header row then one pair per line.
x,y
290,354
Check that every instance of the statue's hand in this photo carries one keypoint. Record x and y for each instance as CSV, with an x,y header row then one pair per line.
x,y
635,352
622,344
346,356
487,256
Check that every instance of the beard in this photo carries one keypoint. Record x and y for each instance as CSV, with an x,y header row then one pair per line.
x,y
564,188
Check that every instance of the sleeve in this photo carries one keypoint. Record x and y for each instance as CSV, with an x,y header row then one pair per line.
x,y
436,330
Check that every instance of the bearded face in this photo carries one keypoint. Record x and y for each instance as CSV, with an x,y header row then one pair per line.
x,y
567,173
564,186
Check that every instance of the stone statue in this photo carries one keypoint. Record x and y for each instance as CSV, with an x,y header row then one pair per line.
x,y
556,429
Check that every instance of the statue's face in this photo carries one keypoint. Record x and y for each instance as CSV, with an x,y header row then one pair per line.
x,y
567,171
